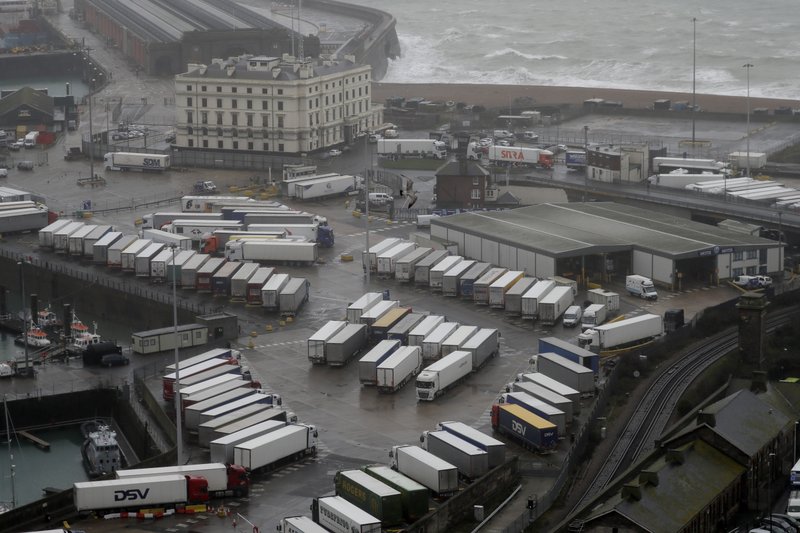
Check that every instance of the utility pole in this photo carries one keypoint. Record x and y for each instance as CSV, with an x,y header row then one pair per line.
x,y
748,66
21,264
694,78
176,385
367,153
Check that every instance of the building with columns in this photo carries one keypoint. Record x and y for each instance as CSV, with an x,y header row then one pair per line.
x,y
271,104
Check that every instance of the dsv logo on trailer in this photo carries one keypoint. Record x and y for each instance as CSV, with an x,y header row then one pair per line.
x,y
150,162
518,428
130,495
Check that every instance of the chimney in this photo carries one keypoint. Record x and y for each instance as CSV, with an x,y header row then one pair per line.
x,y
675,456
203,70
709,419
631,492
230,69
648,477
276,72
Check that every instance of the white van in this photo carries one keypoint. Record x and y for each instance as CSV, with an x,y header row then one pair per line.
x,y
380,198
572,316
641,286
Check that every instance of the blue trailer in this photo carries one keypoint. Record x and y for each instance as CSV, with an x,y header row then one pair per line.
x,y
573,352
530,430
467,281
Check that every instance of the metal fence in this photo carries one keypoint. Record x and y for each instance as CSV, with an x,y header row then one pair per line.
x,y
104,280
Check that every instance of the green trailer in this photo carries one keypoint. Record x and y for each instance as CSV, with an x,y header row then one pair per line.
x,y
413,495
370,495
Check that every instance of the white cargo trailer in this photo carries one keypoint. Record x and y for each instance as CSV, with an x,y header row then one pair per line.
x,y
638,329
129,254
425,468
405,266
139,493
483,345
325,187
398,369
240,280
100,248
265,415
495,449
271,291
387,260
338,515
193,413
370,257
205,431
46,234
215,391
498,289
368,364
423,267
513,299
480,289
530,300
571,374
366,302
75,241
417,335
593,315
346,344
276,447
552,306
223,480
257,397
436,272
554,385
114,253
432,344
300,524
372,314
471,461
293,295
546,395
97,233
607,298
158,265
143,259
317,341
457,339
165,237
445,373
221,448
190,268
61,236
272,251
452,278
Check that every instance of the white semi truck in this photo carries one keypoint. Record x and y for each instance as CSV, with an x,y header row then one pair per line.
x,y
409,148
637,329
445,373
276,447
134,161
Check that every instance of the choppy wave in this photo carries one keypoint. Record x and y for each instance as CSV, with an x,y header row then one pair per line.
x,y
581,43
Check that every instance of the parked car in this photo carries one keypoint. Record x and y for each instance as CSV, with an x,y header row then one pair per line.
x,y
753,282
375,138
3,172
25,165
335,152
114,359
17,145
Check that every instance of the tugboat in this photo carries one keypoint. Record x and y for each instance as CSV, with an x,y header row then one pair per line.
x,y
100,451
81,338
35,338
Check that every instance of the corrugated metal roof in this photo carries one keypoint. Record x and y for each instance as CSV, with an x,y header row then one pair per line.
x,y
574,229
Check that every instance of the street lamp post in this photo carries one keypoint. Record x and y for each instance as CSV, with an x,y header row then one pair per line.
x,y
176,387
367,153
586,167
694,78
769,484
21,264
794,444
748,66
91,134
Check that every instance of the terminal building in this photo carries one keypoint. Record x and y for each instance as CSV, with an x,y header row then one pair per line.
x,y
597,241
273,104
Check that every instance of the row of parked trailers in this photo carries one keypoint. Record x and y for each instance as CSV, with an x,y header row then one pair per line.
x,y
401,342
482,283
245,282
378,497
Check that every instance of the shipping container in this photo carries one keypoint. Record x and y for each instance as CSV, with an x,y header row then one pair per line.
x,y
432,344
100,248
402,328
398,369
405,266
538,407
346,344
413,496
466,285
256,283
573,352
532,431
368,364
340,516
498,289
366,302
495,449
451,280
371,257
271,291
530,300
457,339
513,299
379,330
571,374
240,280
221,448
546,395
436,272
483,345
206,272
417,335
189,270
480,289
114,252
370,495
317,341
423,267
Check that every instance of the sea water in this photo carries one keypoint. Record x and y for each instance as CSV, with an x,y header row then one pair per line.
x,y
612,43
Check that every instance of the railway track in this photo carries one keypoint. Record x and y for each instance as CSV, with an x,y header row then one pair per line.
x,y
657,405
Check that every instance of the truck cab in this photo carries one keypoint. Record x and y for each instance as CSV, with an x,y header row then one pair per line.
x,y
205,187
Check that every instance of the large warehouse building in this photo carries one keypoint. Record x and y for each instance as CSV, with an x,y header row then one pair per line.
x,y
599,240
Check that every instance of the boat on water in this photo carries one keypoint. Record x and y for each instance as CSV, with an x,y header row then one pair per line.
x,y
46,319
35,338
81,338
100,451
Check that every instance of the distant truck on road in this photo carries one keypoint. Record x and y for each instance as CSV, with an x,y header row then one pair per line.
x,y
133,161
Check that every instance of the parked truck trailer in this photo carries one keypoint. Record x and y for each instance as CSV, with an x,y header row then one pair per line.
x,y
442,375
471,461
495,449
371,495
276,448
424,467
398,369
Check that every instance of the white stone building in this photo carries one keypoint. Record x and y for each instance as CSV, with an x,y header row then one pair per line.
x,y
270,104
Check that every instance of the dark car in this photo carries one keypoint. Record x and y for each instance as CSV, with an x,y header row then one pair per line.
x,y
114,359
